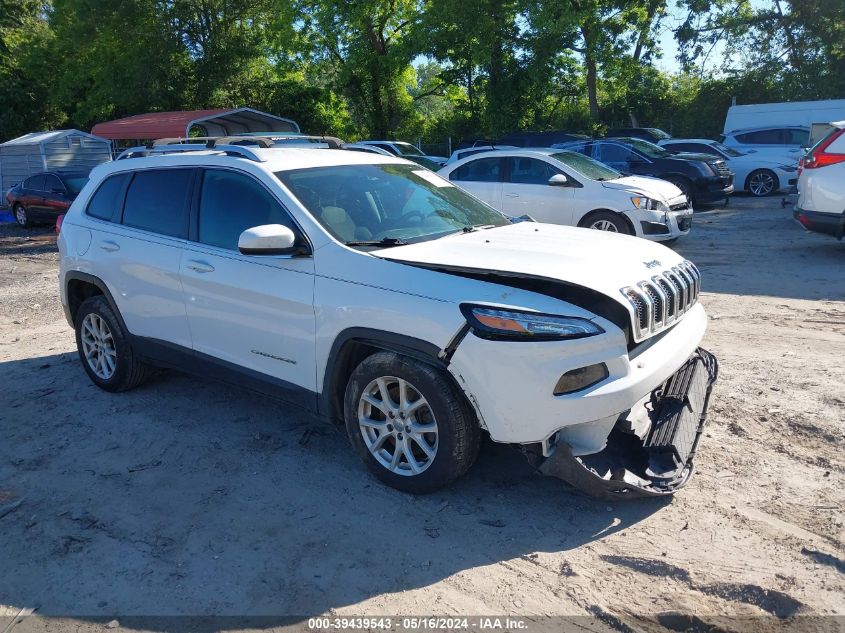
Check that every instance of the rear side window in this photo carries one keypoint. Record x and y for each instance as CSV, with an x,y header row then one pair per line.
x,y
480,170
36,183
157,201
106,202
761,137
230,203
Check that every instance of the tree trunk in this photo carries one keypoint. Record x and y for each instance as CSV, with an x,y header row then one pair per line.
x,y
592,72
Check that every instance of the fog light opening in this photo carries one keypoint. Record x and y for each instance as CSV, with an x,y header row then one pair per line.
x,y
581,378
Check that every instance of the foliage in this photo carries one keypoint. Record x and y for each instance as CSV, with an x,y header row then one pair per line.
x,y
415,69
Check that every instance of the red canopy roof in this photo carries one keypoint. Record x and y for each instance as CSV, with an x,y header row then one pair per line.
x,y
155,125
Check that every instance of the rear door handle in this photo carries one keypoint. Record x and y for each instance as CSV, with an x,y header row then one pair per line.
x,y
200,267
511,195
110,246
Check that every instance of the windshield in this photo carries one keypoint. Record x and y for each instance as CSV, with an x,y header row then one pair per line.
x,y
658,133
587,166
406,149
649,149
75,184
374,203
727,151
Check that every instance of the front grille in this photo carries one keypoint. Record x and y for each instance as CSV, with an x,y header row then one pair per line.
x,y
660,301
721,168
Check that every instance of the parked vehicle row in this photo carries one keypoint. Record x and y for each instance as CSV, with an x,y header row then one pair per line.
x,y
565,187
755,173
702,177
382,296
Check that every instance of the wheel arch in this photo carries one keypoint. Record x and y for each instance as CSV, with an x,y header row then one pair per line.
x,y
353,345
80,286
584,219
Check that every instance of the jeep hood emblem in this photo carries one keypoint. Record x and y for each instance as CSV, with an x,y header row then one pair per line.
x,y
652,264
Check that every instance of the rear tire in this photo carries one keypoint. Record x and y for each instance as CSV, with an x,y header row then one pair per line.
x,y
409,423
606,221
104,348
21,216
761,183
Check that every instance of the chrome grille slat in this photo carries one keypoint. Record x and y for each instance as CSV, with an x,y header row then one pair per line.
x,y
660,301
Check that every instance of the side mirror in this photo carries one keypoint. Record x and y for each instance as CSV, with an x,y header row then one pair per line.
x,y
559,180
267,239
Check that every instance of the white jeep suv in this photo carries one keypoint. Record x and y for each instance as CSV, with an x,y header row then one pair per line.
x,y
376,293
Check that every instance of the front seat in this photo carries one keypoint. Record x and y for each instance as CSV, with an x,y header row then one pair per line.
x,y
338,220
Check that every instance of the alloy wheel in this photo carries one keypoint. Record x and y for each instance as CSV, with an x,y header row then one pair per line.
x,y
761,184
98,346
604,225
20,215
398,426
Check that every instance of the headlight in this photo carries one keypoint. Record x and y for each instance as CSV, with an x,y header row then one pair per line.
x,y
706,169
500,323
650,204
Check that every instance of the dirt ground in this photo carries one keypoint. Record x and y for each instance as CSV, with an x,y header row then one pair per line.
x,y
190,498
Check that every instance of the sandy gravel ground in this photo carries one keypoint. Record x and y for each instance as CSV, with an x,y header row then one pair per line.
x,y
191,498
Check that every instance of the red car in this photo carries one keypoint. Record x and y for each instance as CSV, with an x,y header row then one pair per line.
x,y
43,197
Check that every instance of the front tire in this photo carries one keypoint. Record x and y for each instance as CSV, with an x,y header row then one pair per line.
x,y
409,423
761,183
686,188
21,216
606,221
104,348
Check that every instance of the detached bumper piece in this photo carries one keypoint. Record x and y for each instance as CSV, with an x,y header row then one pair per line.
x,y
657,461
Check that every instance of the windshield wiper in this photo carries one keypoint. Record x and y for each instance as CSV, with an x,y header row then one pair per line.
x,y
385,241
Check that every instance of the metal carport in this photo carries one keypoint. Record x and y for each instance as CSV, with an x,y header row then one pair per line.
x,y
153,125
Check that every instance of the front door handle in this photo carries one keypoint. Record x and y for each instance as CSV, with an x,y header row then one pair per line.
x,y
110,246
200,267
511,195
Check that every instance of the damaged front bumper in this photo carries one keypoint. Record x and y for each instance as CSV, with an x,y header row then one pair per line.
x,y
650,460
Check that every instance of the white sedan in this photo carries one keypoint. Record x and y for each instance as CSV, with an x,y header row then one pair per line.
x,y
759,173
562,187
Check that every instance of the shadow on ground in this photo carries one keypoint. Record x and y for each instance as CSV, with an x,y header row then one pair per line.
x,y
187,497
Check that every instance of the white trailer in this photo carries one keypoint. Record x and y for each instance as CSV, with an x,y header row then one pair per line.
x,y
803,113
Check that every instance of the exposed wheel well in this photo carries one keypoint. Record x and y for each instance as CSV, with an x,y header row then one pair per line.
x,y
351,349
351,354
78,291
585,220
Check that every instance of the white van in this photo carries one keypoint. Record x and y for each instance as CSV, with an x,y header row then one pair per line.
x,y
789,113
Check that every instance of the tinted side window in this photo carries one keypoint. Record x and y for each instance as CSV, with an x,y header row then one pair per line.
x,y
612,153
51,183
762,137
386,148
530,171
157,201
480,170
797,137
106,202
230,203
36,183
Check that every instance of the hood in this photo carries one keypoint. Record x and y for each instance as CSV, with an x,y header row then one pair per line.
x,y
657,188
601,261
